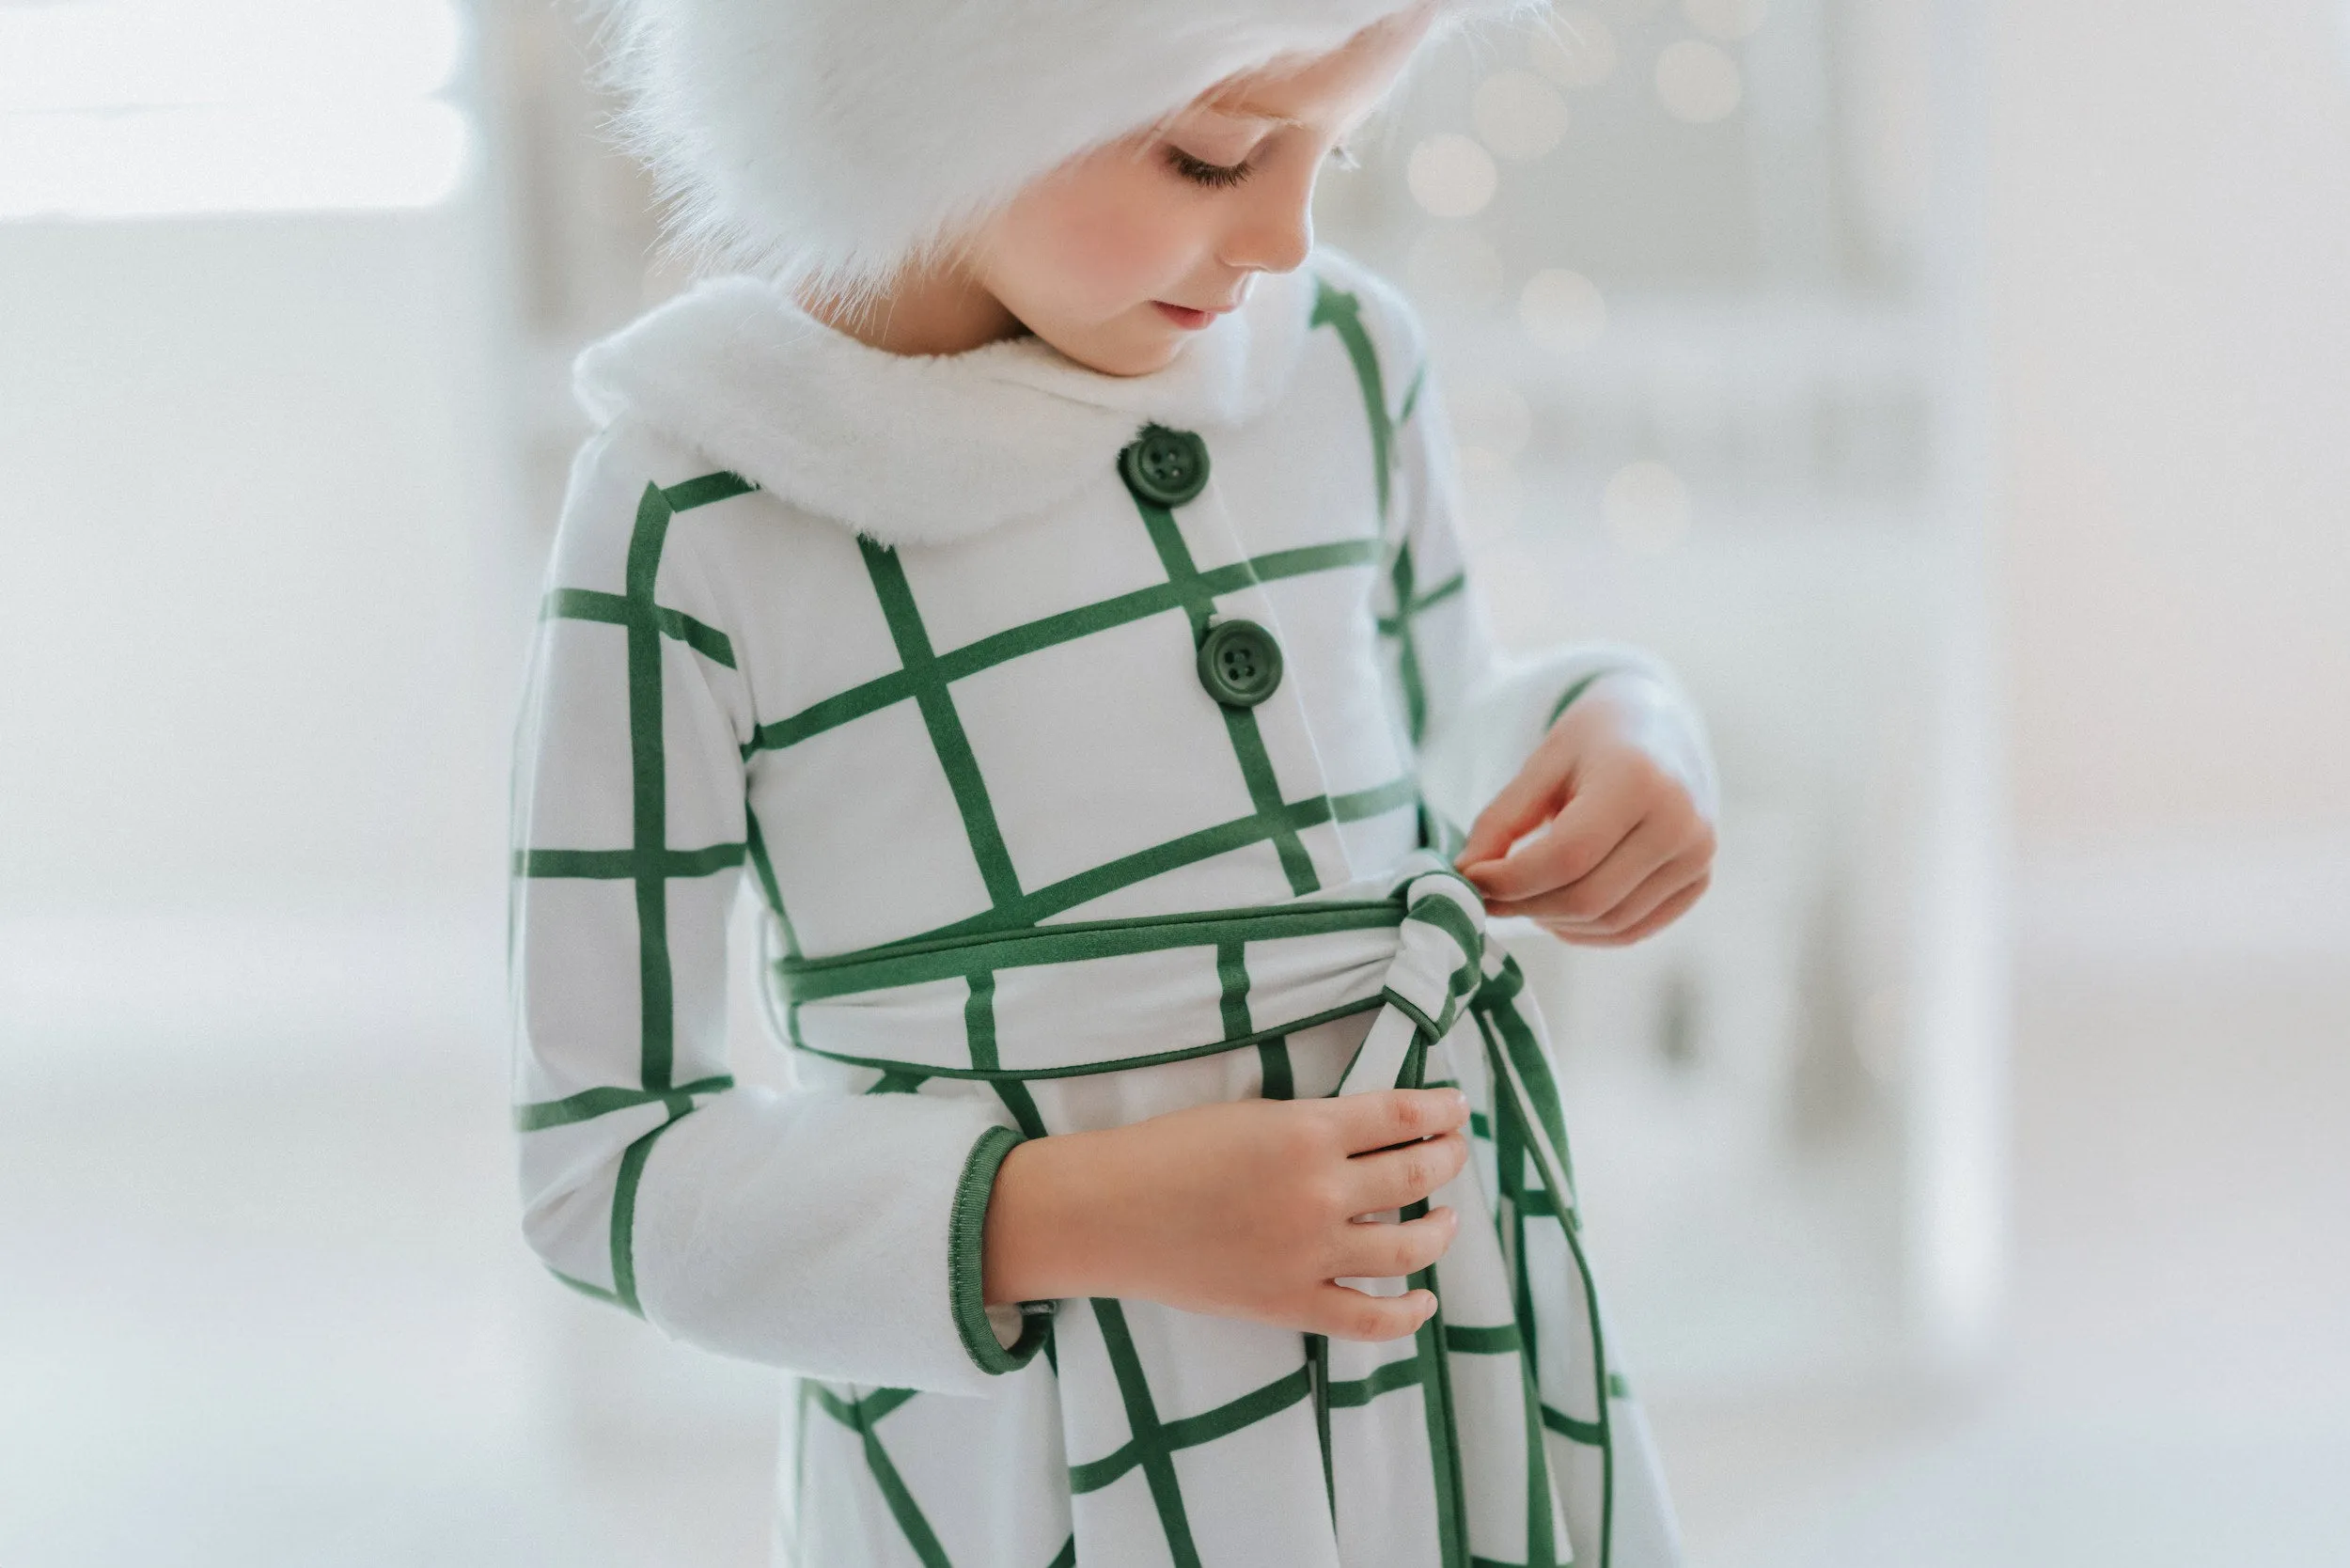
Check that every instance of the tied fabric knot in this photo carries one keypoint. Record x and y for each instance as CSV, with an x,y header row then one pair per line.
x,y
1448,965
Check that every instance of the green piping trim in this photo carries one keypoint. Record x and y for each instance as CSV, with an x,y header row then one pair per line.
x,y
1073,941
1576,690
1089,1069
594,1293
967,1227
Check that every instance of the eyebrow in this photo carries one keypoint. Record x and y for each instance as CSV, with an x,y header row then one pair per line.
x,y
1257,116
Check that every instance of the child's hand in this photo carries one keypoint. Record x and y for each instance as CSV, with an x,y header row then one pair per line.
x,y
1610,842
1244,1209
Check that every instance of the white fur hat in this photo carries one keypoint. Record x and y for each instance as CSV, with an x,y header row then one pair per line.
x,y
836,139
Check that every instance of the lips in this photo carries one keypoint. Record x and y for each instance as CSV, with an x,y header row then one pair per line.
x,y
1187,317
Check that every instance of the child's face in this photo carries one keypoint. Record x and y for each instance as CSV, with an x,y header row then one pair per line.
x,y
1117,257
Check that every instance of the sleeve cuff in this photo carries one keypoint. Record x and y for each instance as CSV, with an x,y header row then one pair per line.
x,y
965,1229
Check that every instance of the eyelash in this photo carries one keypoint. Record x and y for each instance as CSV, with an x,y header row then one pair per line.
x,y
1223,176
1201,172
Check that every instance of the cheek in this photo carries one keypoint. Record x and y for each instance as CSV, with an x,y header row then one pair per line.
x,y
1104,244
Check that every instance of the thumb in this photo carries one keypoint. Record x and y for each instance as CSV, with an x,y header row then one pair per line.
x,y
1525,803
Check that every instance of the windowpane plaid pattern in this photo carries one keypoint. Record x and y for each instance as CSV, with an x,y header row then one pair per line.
x,y
1021,871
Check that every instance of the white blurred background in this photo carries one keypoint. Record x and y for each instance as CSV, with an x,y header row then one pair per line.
x,y
1959,393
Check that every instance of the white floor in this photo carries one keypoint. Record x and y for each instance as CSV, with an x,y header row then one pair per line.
x,y
2174,1388
279,1317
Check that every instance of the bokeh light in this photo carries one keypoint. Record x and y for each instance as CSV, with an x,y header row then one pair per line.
x,y
1518,114
1562,310
1451,176
1647,506
1697,82
1577,48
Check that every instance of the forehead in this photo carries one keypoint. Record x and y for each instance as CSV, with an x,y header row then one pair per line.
x,y
1318,89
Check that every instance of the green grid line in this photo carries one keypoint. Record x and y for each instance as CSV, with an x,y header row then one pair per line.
x,y
647,863
1394,625
1146,1436
1274,1079
861,1416
590,1104
615,609
1240,724
1053,630
763,867
660,865
978,1028
1336,308
721,486
945,724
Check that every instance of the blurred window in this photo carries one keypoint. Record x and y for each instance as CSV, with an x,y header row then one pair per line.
x,y
143,108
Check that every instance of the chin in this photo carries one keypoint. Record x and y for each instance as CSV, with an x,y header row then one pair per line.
x,y
1130,359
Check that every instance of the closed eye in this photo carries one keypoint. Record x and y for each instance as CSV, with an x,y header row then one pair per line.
x,y
1201,172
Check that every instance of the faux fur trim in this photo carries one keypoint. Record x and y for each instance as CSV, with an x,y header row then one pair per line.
x,y
837,139
919,449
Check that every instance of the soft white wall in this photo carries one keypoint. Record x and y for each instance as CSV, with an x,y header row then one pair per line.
x,y
250,546
260,620
2170,275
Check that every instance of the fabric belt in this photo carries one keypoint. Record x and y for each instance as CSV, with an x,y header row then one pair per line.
x,y
1080,998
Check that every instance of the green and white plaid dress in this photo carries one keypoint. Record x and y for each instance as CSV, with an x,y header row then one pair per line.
x,y
1022,873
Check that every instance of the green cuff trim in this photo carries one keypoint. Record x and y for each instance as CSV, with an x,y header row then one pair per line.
x,y
1576,690
966,1223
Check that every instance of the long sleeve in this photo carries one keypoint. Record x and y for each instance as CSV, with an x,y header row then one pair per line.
x,y
834,1235
1472,712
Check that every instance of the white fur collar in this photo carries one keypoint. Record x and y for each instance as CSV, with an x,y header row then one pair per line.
x,y
919,449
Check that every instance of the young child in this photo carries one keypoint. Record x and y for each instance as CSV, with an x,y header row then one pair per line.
x,y
1035,578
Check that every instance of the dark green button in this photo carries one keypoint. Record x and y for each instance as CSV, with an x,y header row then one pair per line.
x,y
1240,663
1165,467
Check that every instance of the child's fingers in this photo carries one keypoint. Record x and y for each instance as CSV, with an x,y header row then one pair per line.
x,y
1642,902
1587,829
1394,1177
1346,1313
1390,1250
1666,914
1523,804
1595,894
1386,1117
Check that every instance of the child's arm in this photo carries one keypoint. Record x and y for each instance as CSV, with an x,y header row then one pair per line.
x,y
1589,758
1243,1209
834,1235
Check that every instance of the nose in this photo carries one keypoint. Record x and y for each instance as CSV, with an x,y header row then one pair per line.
x,y
1274,226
